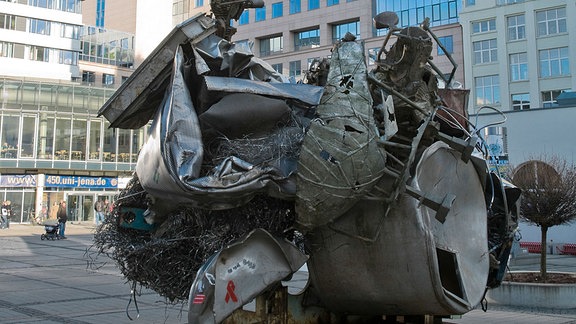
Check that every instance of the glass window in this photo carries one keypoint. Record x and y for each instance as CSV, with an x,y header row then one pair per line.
x,y
100,12
39,26
277,67
271,45
88,77
554,62
518,66
94,147
109,148
277,10
68,57
520,101
198,3
307,39
62,138
447,42
295,6
244,18
413,12
6,49
46,137
124,145
295,69
549,98
470,2
551,21
484,26
7,21
39,53
70,31
516,27
49,4
9,136
27,139
108,79
78,139
485,51
338,31
260,14
487,90
331,2
313,4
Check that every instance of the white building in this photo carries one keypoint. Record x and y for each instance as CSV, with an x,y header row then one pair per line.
x,y
40,39
519,59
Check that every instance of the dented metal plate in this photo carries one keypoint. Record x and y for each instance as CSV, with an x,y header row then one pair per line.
x,y
340,160
239,273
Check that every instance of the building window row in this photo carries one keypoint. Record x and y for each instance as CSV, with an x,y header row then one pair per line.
x,y
38,53
412,13
277,9
548,22
307,38
486,92
62,5
48,136
39,26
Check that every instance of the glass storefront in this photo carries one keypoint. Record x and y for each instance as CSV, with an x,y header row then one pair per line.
x,y
51,132
43,121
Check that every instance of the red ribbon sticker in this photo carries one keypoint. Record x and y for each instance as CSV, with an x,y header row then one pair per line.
x,y
230,292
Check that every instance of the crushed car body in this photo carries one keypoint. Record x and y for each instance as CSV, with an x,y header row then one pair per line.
x,y
389,198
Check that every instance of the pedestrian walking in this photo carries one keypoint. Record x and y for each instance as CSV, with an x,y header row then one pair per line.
x,y
62,215
6,213
100,208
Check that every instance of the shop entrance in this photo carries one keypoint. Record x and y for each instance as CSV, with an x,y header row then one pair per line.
x,y
81,205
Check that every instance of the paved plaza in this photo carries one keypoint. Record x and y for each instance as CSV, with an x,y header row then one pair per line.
x,y
53,282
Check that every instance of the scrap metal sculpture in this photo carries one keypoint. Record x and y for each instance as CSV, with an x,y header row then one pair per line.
x,y
385,189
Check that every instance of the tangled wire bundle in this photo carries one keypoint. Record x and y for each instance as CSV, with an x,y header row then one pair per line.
x,y
167,258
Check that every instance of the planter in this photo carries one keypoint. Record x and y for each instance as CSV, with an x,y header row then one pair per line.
x,y
547,295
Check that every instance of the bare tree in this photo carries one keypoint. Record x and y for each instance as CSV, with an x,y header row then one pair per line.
x,y
548,196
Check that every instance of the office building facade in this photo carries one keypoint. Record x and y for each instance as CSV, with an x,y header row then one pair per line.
x,y
289,34
520,59
55,74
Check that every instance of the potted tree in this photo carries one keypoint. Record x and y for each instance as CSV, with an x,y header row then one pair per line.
x,y
548,199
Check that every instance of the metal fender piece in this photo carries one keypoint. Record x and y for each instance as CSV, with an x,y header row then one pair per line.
x,y
340,160
239,273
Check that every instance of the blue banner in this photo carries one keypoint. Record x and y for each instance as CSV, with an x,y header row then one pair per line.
x,y
18,180
62,181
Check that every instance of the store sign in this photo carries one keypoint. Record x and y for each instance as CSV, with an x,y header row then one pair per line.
x,y
62,181
18,180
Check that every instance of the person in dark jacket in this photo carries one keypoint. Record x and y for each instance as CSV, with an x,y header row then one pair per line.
x,y
62,216
6,213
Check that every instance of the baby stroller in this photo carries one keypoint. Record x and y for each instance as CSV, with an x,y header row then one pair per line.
x,y
51,232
